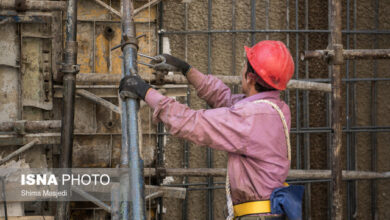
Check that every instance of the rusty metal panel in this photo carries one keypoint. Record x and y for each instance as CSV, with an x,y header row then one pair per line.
x,y
98,32
92,151
9,92
85,116
85,49
56,48
36,75
36,65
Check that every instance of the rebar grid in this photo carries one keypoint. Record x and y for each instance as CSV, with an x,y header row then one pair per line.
x,y
303,128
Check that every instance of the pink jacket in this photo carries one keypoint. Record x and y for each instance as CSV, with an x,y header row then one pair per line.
x,y
251,133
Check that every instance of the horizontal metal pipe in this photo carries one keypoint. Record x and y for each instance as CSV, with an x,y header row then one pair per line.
x,y
180,79
31,126
19,151
164,32
293,174
92,97
348,54
92,199
33,5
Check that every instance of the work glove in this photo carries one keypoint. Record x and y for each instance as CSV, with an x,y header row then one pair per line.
x,y
133,86
166,62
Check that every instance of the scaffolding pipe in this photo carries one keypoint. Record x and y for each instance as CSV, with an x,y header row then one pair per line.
x,y
24,5
180,79
69,69
293,174
92,199
19,151
348,54
336,118
30,126
131,183
92,97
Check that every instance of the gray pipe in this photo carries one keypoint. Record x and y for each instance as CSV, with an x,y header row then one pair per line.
x,y
132,184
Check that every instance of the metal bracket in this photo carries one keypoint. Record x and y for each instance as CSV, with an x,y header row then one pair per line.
x,y
69,55
126,94
129,40
19,127
120,45
338,58
66,68
161,173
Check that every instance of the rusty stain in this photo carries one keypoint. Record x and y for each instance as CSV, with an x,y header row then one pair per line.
x,y
101,54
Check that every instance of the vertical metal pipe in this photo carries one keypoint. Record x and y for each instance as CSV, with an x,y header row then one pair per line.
x,y
351,185
297,103
287,92
3,197
267,18
130,155
253,21
373,136
210,180
306,120
69,83
186,157
336,42
354,106
115,196
160,163
160,139
184,207
234,41
329,124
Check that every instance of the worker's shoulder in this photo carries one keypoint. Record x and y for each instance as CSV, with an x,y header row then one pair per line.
x,y
261,107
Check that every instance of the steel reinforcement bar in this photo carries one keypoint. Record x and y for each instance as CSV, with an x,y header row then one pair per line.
x,y
180,79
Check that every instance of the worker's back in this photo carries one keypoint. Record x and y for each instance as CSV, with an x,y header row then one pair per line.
x,y
262,165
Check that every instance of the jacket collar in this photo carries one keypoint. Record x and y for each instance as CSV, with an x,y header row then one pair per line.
x,y
261,95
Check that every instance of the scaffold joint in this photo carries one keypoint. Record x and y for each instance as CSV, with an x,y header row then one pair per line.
x,y
129,40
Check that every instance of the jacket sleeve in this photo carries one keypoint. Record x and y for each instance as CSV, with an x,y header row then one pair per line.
x,y
212,90
216,128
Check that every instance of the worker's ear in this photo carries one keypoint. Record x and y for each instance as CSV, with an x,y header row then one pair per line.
x,y
250,79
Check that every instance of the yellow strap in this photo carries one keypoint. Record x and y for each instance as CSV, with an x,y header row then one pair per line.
x,y
255,207
249,208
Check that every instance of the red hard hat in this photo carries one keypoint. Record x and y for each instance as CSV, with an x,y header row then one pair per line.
x,y
272,61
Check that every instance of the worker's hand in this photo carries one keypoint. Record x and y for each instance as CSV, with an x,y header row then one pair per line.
x,y
133,87
166,62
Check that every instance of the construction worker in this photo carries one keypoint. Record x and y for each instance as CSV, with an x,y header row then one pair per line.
x,y
252,127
